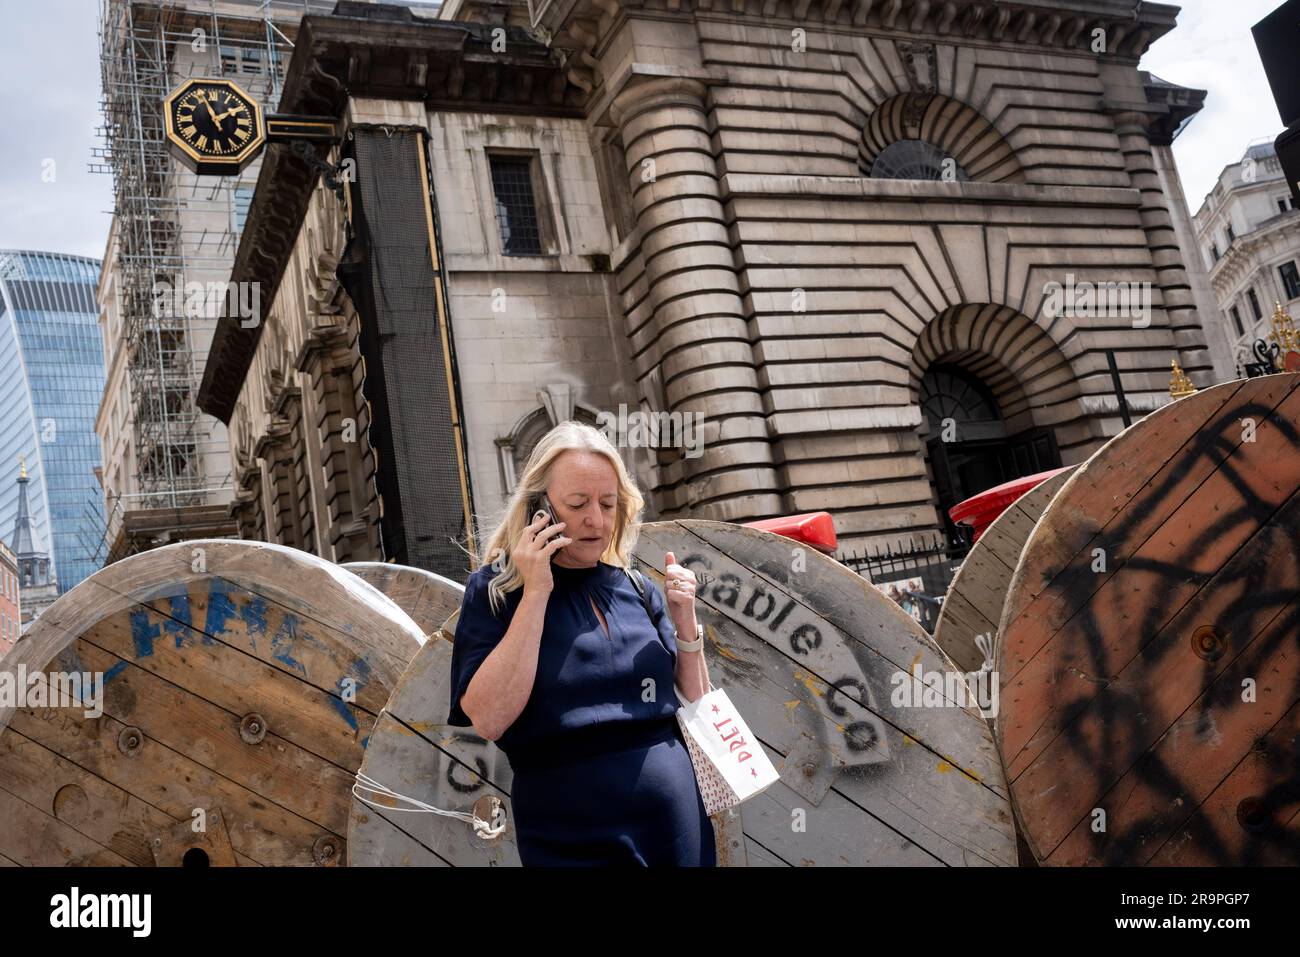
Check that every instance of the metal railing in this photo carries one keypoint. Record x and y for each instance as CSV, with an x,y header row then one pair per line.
x,y
915,573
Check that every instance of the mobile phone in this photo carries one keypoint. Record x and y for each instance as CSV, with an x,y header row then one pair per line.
x,y
540,503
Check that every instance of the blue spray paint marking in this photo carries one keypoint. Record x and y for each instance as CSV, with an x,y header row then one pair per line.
x,y
282,642
359,672
254,615
143,633
365,742
342,708
114,671
181,624
362,670
220,607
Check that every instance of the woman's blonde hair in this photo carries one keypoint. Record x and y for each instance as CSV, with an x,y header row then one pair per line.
x,y
567,436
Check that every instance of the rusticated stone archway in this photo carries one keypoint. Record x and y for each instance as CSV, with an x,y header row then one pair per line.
x,y
1024,369
956,129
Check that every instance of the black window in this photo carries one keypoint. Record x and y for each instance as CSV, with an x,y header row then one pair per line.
x,y
916,159
1282,206
1214,251
1254,304
1231,235
1236,321
512,183
1290,279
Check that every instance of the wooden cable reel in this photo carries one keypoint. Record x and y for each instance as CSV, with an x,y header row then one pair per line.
x,y
814,657
427,597
973,605
808,650
1150,699
240,682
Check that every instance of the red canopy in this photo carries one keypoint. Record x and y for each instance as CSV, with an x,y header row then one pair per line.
x,y
814,528
980,510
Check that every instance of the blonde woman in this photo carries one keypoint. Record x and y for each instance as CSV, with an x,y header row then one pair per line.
x,y
556,660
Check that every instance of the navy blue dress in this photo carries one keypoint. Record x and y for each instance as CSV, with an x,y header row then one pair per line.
x,y
601,772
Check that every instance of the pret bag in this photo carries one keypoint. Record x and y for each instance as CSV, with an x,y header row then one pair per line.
x,y
730,764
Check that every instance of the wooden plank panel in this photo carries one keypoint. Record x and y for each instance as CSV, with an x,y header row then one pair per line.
x,y
1157,578
175,785
1117,500
32,838
428,598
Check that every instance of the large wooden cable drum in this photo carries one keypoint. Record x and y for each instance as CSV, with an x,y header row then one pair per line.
x,y
429,598
808,651
241,681
813,654
973,604
1150,699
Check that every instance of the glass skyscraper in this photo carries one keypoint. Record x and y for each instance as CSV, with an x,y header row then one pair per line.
x,y
51,382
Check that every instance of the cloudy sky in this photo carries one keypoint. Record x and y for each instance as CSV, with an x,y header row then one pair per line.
x,y
49,110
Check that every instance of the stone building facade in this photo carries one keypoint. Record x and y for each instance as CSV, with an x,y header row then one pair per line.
x,y
879,252
1248,231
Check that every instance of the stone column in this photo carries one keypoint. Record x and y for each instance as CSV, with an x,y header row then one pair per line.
x,y
1213,323
330,359
276,449
687,317
246,508
1131,126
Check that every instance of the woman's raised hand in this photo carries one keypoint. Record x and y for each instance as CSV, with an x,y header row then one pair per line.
x,y
532,555
679,590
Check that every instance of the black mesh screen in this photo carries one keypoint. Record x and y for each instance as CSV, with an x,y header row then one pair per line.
x,y
512,185
388,272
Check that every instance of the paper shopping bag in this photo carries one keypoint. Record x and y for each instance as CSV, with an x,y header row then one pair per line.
x,y
730,765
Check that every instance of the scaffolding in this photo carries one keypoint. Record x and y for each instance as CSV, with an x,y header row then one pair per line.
x,y
175,229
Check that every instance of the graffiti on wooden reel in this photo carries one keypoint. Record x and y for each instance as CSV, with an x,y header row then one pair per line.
x,y
1199,563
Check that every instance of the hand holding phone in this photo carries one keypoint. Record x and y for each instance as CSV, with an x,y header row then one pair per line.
x,y
542,538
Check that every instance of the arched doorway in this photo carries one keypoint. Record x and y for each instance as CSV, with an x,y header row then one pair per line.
x,y
969,445
1010,390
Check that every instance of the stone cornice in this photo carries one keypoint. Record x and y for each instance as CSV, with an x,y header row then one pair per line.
x,y
1131,26
1172,108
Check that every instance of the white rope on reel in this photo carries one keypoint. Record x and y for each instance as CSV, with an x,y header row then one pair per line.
x,y
482,828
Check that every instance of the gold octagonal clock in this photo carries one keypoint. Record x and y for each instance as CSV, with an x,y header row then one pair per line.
x,y
213,126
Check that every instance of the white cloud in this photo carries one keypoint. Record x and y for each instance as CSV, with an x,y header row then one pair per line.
x,y
1212,49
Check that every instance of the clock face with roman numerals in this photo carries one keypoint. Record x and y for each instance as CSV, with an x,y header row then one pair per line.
x,y
213,126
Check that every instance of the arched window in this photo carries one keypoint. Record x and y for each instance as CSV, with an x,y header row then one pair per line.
x,y
916,159
949,392
517,447
912,133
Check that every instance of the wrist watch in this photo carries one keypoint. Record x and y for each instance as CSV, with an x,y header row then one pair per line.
x,y
695,645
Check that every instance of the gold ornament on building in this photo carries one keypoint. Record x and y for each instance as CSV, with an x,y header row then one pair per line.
x,y
1180,385
1284,333
22,466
